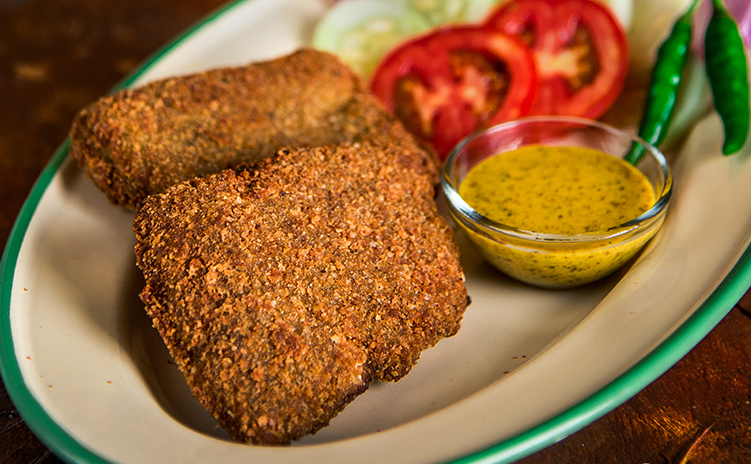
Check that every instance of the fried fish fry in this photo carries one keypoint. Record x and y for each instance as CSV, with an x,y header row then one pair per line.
x,y
283,290
140,141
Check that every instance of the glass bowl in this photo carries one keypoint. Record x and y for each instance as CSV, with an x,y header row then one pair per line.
x,y
556,260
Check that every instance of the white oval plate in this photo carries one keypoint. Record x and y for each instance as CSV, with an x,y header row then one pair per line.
x,y
93,380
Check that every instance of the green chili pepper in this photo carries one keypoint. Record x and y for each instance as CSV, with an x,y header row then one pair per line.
x,y
728,76
666,80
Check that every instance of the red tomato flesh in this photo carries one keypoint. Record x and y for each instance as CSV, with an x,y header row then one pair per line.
x,y
455,80
581,52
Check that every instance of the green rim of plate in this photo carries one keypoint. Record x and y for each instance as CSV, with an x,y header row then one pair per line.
x,y
657,362
631,382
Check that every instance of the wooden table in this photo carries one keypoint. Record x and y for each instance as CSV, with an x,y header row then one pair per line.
x,y
57,56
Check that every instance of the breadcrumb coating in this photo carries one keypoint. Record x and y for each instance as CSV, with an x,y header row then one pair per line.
x,y
284,289
140,141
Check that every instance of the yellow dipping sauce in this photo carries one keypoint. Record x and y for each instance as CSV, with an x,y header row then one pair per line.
x,y
558,190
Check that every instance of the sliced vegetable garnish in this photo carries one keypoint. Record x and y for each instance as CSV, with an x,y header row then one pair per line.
x,y
360,32
580,49
449,83
438,12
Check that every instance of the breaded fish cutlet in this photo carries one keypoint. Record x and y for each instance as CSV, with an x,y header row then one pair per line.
x,y
140,141
282,291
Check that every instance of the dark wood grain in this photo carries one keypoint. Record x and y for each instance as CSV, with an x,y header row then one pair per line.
x,y
55,57
699,411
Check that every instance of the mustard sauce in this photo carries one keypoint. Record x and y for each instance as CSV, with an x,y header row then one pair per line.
x,y
559,190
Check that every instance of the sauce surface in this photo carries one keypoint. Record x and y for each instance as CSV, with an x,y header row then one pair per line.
x,y
557,190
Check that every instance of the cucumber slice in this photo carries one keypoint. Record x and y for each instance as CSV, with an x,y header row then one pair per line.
x,y
439,12
360,32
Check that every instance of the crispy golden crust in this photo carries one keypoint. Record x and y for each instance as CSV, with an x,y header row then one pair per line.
x,y
283,290
140,141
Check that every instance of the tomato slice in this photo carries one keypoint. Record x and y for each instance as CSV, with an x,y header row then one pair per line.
x,y
455,80
580,49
